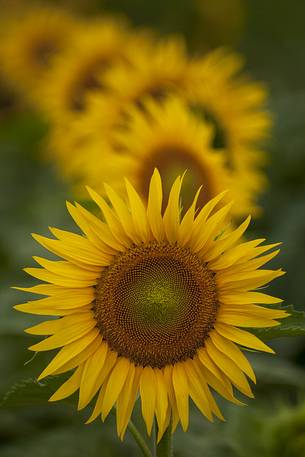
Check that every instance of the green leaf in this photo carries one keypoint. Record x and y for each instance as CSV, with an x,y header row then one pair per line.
x,y
30,391
293,325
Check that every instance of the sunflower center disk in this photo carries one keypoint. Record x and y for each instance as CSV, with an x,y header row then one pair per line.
x,y
156,304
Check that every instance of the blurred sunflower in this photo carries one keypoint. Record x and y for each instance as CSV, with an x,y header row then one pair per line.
x,y
150,303
79,72
167,136
29,42
235,106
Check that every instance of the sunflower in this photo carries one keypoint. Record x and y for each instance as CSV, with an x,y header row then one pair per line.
x,y
79,71
213,90
152,304
167,136
30,41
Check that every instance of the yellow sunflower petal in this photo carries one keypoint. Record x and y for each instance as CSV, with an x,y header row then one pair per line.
x,y
204,214
73,255
79,244
231,350
108,365
111,219
80,350
181,389
203,381
187,221
67,335
42,309
154,206
104,372
91,374
211,366
98,405
211,228
168,378
245,298
148,396
234,254
124,399
161,403
67,270
69,387
47,276
54,325
86,227
131,400
122,212
240,319
197,391
218,386
114,385
242,337
248,280
101,230
76,299
257,251
230,368
51,289
223,244
171,218
138,213
257,310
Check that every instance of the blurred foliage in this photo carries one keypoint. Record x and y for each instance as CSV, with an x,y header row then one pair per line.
x,y
205,24
271,35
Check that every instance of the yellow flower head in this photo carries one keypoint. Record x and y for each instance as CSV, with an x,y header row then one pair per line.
x,y
167,136
210,86
29,43
153,304
79,71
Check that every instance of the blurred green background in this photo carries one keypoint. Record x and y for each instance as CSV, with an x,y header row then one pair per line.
x,y
271,35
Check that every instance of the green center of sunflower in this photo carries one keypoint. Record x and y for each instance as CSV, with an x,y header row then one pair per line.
x,y
155,298
156,304
172,161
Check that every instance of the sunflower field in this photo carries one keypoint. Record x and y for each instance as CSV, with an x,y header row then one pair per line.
x,y
152,221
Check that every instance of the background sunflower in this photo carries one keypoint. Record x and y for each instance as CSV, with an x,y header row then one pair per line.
x,y
270,35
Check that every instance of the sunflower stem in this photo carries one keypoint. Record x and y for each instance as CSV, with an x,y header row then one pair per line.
x,y
139,439
165,446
